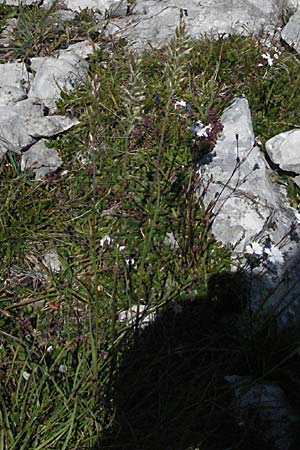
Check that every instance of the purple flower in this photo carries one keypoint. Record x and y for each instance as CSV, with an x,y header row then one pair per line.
x,y
89,170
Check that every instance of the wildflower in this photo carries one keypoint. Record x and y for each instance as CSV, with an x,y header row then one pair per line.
x,y
275,255
89,170
200,130
62,368
183,104
267,252
156,98
106,240
180,103
268,58
255,249
210,130
130,262
25,375
24,323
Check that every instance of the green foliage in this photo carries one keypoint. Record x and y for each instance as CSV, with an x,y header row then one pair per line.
x,y
130,228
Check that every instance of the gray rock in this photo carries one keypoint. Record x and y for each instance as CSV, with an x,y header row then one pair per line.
x,y
153,23
249,209
292,3
11,94
245,194
49,126
271,405
41,160
146,315
82,49
54,74
14,82
291,32
284,150
15,124
22,124
50,260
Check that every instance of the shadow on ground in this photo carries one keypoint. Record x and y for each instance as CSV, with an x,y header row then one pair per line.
x,y
171,393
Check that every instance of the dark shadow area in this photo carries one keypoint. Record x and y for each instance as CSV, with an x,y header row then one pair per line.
x,y
171,394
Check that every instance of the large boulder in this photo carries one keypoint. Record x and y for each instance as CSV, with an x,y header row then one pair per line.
x,y
154,22
251,214
291,32
284,150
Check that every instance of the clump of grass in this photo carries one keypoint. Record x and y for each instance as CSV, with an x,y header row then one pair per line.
x,y
6,12
41,32
130,229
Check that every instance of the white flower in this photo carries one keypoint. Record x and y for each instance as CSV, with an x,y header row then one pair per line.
x,y
106,240
255,249
180,103
200,130
49,349
204,131
62,368
25,375
130,262
268,58
274,255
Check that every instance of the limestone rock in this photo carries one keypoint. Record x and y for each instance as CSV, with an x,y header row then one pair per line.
x,y
82,49
14,82
248,208
15,125
291,32
49,126
245,194
153,23
293,3
50,260
54,74
41,160
271,406
22,124
284,150
11,94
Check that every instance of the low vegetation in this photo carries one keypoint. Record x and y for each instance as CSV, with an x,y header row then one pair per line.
x,y
130,230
